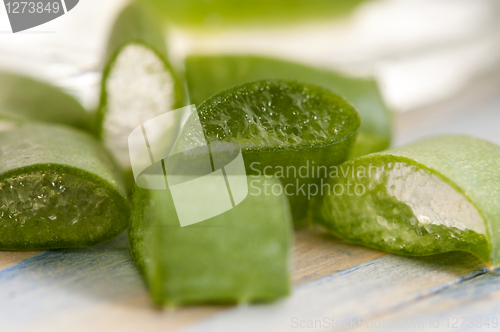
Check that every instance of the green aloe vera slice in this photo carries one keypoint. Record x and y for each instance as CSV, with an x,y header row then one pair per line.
x,y
58,188
434,196
138,81
284,128
239,256
25,99
207,75
223,13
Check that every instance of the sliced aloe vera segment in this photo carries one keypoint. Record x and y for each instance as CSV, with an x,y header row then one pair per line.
x,y
223,13
207,75
58,188
138,81
239,256
434,196
284,128
26,99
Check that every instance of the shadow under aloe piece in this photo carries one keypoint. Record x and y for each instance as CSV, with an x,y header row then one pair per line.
x,y
138,82
58,189
434,196
26,99
239,256
284,128
208,74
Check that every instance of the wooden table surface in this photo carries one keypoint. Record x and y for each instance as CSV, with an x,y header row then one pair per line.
x,y
351,287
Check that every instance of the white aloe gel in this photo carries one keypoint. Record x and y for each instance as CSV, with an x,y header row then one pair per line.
x,y
434,196
139,87
432,200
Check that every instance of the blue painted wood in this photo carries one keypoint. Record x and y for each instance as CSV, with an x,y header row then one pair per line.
x,y
468,306
60,282
99,289
383,285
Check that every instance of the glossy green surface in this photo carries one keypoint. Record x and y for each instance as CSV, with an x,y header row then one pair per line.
x,y
25,99
280,124
223,13
207,75
58,189
469,165
240,256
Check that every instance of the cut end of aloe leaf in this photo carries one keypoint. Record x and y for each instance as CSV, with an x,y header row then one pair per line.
x,y
139,87
418,200
404,209
138,82
277,114
55,209
58,189
279,125
207,75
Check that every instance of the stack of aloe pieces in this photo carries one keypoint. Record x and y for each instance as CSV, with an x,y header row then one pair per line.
x,y
59,186
312,145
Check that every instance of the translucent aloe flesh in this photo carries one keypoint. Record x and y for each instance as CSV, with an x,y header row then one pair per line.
x,y
138,81
239,256
26,99
224,13
58,189
434,196
281,125
208,75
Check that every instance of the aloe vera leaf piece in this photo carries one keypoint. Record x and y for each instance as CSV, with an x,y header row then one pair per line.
x,y
59,188
282,127
434,196
26,99
207,75
240,256
138,81
226,13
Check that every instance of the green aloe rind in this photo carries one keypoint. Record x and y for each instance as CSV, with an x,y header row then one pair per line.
x,y
240,256
25,99
210,74
434,196
137,31
135,23
227,13
59,188
284,128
